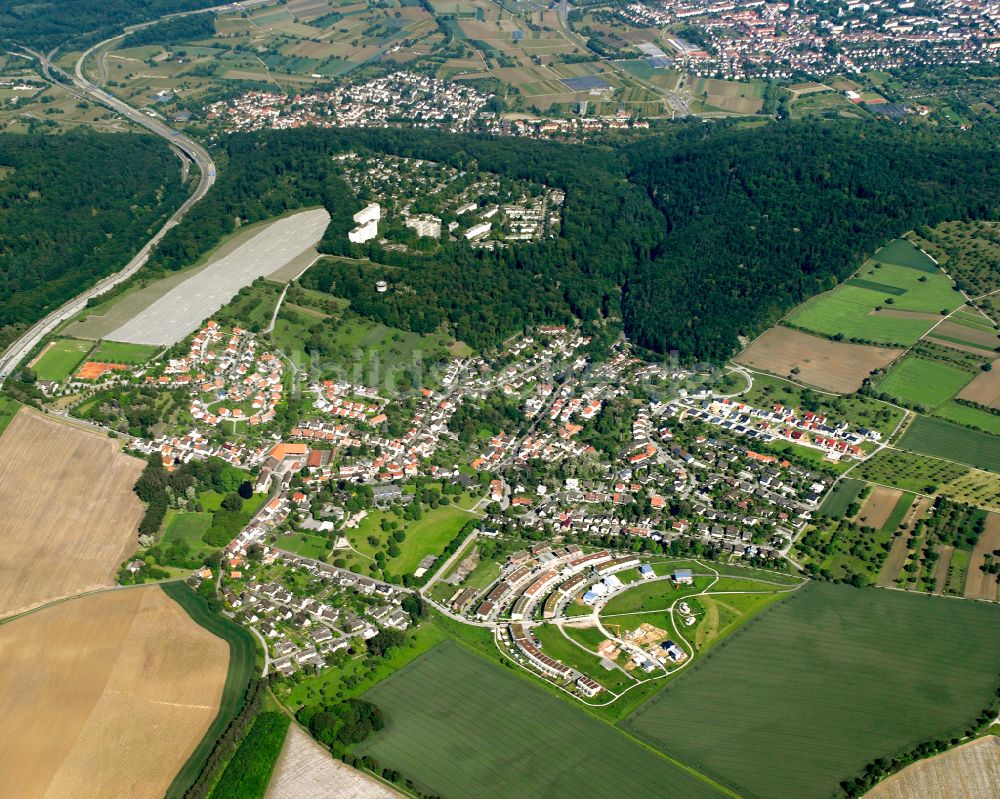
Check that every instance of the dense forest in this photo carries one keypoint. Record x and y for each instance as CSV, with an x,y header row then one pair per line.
x,y
173,31
74,208
759,220
44,24
688,240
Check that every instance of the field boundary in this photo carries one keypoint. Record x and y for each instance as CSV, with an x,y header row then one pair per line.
x,y
242,667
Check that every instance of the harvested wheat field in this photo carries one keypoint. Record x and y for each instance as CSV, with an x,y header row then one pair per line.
x,y
979,584
831,365
879,506
971,771
69,515
105,696
307,771
984,388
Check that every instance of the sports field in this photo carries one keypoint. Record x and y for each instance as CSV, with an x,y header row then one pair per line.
x,y
946,440
122,686
460,725
810,691
60,358
917,381
69,514
119,352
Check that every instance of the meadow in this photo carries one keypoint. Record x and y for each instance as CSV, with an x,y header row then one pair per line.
x,y
8,410
810,691
60,358
918,382
501,737
894,298
951,441
838,500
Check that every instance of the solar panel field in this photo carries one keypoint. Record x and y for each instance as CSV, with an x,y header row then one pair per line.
x,y
821,684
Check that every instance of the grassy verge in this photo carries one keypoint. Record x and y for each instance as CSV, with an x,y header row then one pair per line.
x,y
248,773
242,665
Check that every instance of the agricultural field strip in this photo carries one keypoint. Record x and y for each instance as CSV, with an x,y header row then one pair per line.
x,y
719,745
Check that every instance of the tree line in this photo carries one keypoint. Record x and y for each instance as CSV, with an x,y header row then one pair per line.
x,y
687,240
74,208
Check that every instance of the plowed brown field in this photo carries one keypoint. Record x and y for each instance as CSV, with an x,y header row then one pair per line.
x,y
971,771
832,365
105,696
69,515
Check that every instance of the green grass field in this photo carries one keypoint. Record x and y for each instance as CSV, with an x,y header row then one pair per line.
x,y
61,359
248,773
428,536
8,410
242,666
498,736
556,645
946,440
963,414
120,352
891,280
306,544
916,381
904,253
656,595
843,494
810,691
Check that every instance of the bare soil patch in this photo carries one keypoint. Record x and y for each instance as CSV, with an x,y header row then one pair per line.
x,y
984,389
878,507
898,554
307,771
941,568
979,584
831,365
121,686
69,513
970,334
970,771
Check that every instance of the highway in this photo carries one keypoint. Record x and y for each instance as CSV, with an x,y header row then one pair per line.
x,y
81,87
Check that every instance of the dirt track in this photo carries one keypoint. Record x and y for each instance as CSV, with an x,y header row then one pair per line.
x,y
69,514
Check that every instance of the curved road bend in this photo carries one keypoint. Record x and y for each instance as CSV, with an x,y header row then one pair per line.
x,y
84,89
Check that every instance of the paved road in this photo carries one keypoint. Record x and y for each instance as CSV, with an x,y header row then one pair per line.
x,y
80,86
